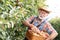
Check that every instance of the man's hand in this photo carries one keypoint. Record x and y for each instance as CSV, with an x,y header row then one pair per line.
x,y
35,29
48,39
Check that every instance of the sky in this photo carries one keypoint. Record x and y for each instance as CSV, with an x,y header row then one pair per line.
x,y
54,7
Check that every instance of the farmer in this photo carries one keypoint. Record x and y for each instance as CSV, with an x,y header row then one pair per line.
x,y
36,21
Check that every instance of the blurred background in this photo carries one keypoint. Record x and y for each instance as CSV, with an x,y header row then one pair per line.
x,y
13,12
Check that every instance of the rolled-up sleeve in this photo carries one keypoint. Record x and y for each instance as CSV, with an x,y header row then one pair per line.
x,y
49,28
30,19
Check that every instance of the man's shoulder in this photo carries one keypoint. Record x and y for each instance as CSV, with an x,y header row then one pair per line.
x,y
48,23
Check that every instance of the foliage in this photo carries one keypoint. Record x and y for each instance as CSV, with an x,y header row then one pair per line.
x,y
56,24
12,13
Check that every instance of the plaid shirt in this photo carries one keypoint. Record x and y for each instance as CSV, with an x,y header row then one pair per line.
x,y
46,27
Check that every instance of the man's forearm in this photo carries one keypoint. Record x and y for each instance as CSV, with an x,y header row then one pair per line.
x,y
26,23
53,35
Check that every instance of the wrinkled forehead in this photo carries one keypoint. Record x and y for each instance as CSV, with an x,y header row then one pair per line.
x,y
41,10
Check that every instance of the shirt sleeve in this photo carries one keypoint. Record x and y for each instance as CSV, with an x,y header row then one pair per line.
x,y
30,19
49,28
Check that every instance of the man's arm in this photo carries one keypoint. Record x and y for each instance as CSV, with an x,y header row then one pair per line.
x,y
32,27
53,34
27,22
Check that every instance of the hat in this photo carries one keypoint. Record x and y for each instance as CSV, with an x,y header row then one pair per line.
x,y
45,10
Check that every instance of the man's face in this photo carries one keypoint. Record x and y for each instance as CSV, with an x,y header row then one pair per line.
x,y
42,14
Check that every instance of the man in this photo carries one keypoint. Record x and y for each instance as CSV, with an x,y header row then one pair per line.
x,y
34,23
